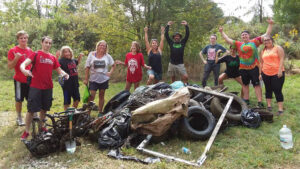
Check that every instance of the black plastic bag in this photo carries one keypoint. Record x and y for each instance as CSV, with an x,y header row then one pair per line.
x,y
115,134
250,118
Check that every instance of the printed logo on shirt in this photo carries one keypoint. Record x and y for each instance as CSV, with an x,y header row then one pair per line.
x,y
72,69
233,64
211,54
177,45
132,65
99,64
46,61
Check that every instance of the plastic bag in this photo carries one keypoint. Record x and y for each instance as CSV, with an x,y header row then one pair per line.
x,y
250,118
177,85
86,94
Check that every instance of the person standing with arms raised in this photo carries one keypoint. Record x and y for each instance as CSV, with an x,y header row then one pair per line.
x,y
249,60
154,52
176,52
16,56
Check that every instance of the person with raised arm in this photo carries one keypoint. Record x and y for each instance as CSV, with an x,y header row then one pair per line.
x,y
154,52
249,60
176,64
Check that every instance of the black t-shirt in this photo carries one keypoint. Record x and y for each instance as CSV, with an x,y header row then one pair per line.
x,y
177,49
232,65
70,67
211,51
154,60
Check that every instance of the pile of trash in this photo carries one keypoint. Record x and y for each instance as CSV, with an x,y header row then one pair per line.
x,y
189,112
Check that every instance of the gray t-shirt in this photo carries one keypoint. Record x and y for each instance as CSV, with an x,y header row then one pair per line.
x,y
98,67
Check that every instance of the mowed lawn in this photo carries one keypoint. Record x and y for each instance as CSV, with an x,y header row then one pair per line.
x,y
236,147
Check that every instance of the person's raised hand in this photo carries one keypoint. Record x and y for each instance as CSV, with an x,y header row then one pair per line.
x,y
146,29
270,21
184,22
221,29
162,29
81,54
170,22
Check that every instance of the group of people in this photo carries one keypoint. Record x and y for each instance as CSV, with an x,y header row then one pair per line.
x,y
245,67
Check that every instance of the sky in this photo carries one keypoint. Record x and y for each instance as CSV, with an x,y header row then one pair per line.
x,y
238,8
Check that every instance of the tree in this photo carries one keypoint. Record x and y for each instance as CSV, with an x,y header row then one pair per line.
x,y
287,12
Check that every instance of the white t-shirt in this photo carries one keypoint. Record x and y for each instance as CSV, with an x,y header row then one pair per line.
x,y
98,67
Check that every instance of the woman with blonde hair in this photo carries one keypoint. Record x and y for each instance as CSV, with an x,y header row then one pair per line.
x,y
154,51
71,86
96,72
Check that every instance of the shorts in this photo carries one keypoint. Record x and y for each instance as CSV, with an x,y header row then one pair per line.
x,y
71,93
21,91
252,74
95,86
233,75
157,76
39,99
174,70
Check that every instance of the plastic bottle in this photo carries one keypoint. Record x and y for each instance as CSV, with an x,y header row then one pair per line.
x,y
286,138
186,150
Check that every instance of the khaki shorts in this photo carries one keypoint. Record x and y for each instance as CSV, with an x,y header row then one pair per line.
x,y
174,70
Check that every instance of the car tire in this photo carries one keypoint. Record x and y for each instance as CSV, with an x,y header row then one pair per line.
x,y
218,104
198,125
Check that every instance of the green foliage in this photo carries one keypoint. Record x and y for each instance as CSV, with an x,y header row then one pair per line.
x,y
287,12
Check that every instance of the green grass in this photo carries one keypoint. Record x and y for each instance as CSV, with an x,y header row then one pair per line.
x,y
236,147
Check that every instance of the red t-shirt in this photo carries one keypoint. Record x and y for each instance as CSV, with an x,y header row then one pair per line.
x,y
134,63
19,76
42,70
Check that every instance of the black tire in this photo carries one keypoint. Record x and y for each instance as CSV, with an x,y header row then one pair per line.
x,y
217,106
198,125
118,99
199,97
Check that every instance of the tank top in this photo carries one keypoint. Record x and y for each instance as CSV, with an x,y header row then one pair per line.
x,y
271,61
154,60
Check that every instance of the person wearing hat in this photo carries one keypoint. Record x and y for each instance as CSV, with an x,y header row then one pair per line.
x,y
177,45
211,50
249,60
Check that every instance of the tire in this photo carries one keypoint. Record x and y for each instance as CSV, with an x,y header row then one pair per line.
x,y
118,99
217,106
198,125
199,97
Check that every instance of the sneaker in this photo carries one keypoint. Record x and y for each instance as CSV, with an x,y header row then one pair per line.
x,y
247,102
24,135
20,122
279,113
260,105
44,129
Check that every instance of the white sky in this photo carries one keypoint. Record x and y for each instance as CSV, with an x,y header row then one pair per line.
x,y
238,8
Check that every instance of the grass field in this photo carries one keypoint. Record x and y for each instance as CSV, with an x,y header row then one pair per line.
x,y
236,147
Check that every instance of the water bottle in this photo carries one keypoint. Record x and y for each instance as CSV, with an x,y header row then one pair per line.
x,y
186,150
286,138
